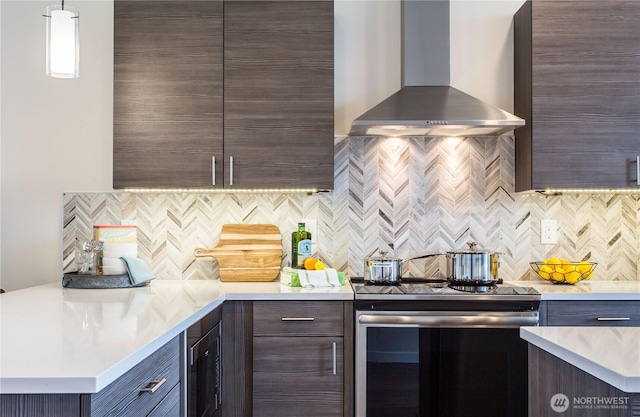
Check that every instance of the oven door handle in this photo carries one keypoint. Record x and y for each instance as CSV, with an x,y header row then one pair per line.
x,y
462,320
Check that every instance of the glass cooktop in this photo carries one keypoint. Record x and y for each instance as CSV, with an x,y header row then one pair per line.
x,y
433,287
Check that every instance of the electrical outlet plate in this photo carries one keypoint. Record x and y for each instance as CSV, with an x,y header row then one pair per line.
x,y
548,232
311,225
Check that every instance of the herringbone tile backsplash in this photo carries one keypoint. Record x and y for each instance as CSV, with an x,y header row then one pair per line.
x,y
405,196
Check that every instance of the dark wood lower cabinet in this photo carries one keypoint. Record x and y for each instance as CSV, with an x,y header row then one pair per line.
x,y
298,376
278,359
122,398
169,406
620,313
557,388
50,405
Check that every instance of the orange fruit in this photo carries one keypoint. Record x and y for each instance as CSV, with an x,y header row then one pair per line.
x,y
310,263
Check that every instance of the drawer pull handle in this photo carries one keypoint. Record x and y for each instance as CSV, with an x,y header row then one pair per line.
x,y
638,170
298,319
335,358
613,318
153,386
213,170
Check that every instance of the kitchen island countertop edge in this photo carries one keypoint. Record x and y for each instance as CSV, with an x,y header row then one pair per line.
x,y
57,340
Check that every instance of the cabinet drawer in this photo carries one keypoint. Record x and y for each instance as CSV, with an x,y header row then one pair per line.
x,y
124,397
169,406
298,318
593,313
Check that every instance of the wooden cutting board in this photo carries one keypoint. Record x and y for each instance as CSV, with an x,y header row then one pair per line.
x,y
247,252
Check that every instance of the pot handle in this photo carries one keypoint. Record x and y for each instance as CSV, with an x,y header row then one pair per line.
x,y
423,256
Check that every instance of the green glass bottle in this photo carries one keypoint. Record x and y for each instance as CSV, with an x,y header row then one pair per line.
x,y
300,246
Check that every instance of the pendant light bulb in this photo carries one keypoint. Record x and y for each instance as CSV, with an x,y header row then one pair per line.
x,y
63,42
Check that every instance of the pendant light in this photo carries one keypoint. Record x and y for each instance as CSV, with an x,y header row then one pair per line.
x,y
63,41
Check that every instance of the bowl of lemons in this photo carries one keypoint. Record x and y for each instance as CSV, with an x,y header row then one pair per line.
x,y
561,271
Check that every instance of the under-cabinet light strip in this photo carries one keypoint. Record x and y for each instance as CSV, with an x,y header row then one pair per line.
x,y
554,191
223,190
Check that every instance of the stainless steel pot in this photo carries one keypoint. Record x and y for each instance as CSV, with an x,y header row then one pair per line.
x,y
466,265
472,265
386,270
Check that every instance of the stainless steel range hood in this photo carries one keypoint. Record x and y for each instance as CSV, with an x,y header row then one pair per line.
x,y
426,105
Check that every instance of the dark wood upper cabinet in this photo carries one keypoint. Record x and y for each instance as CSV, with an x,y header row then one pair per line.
x,y
167,99
278,93
577,84
247,83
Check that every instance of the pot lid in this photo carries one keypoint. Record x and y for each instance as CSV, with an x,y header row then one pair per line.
x,y
383,257
472,249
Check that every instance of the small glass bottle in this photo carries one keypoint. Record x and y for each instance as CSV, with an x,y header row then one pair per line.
x,y
300,246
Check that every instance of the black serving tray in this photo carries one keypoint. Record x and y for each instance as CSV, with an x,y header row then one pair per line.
x,y
75,280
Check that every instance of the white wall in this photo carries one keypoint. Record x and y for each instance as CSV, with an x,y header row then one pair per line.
x,y
367,57
0,150
56,135
482,49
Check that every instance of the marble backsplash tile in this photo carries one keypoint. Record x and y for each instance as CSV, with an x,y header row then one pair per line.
x,y
406,196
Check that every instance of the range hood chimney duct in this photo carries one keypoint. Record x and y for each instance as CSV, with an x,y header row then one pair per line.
x,y
427,105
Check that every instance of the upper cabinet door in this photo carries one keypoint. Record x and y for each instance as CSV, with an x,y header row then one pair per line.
x,y
278,94
577,84
167,125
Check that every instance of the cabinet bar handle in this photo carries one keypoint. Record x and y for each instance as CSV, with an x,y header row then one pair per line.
x,y
213,170
335,358
298,319
613,318
231,170
153,386
638,169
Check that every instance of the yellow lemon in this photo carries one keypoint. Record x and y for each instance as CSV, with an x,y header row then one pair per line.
x,y
568,266
572,277
552,261
558,276
584,266
545,271
319,266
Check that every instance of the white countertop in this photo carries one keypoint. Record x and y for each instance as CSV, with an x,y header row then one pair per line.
x,y
584,290
611,354
57,340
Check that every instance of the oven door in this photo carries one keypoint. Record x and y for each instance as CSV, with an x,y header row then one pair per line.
x,y
441,364
204,397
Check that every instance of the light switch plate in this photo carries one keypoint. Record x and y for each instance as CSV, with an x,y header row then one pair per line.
x,y
548,232
311,225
